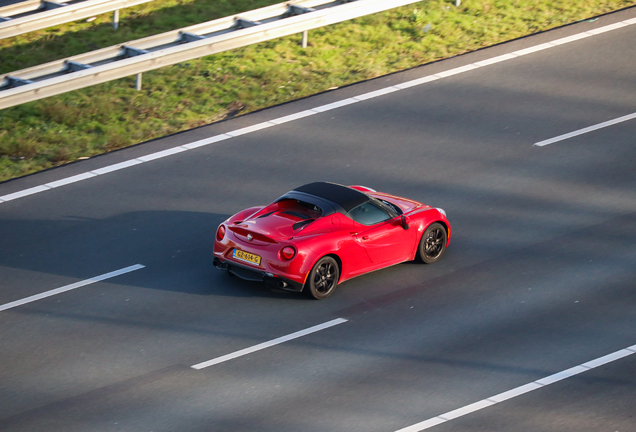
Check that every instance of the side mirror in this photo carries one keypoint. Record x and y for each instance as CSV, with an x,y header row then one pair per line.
x,y
404,222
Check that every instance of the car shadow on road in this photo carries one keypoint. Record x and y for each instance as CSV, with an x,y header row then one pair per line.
x,y
176,248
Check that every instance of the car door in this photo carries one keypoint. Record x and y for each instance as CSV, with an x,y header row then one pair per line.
x,y
355,260
381,234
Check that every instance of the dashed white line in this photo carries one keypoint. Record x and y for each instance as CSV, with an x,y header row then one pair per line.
x,y
269,343
518,391
585,130
323,108
70,287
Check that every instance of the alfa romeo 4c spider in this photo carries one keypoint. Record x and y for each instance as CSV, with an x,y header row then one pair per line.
x,y
322,234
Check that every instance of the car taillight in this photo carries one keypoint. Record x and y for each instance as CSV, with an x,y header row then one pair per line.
x,y
220,233
288,252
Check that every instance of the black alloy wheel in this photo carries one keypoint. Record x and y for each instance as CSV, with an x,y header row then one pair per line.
x,y
433,244
323,278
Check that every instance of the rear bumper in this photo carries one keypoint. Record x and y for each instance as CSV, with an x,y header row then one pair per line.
x,y
248,273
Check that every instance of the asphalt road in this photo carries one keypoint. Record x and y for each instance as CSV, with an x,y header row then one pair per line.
x,y
539,277
9,2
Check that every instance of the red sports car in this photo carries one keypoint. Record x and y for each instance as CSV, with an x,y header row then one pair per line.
x,y
321,234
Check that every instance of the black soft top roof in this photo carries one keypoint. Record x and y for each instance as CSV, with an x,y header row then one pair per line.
x,y
344,196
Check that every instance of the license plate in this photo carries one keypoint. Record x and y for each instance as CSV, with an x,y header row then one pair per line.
x,y
245,256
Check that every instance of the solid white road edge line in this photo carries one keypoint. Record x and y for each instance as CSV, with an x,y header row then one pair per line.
x,y
316,110
70,287
269,343
585,130
518,391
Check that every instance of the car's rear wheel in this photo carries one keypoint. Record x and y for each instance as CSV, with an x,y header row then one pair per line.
x,y
433,244
323,278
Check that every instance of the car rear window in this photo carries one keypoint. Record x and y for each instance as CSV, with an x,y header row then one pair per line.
x,y
300,209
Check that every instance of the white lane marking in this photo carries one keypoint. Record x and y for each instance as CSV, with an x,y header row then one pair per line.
x,y
485,403
562,375
572,38
608,28
161,154
497,59
323,108
427,424
376,93
608,358
207,141
250,129
23,193
117,166
70,180
460,412
269,343
518,391
534,49
418,81
585,130
70,287
292,117
335,105
457,70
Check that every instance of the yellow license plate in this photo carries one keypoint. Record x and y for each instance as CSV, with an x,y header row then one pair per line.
x,y
245,256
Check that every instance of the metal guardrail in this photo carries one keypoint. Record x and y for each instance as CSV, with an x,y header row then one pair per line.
x,y
31,15
154,52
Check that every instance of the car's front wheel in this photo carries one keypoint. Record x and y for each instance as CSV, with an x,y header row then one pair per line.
x,y
323,278
433,244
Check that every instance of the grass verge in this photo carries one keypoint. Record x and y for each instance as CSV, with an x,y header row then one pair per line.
x,y
109,116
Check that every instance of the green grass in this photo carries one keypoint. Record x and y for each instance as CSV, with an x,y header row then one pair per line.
x,y
105,117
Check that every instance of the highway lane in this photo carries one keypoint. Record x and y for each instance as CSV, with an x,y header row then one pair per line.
x,y
539,276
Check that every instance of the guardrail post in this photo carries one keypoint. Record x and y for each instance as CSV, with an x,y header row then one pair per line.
x,y
138,82
116,19
305,37
458,2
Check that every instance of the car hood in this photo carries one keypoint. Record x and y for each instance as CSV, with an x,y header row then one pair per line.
x,y
405,204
